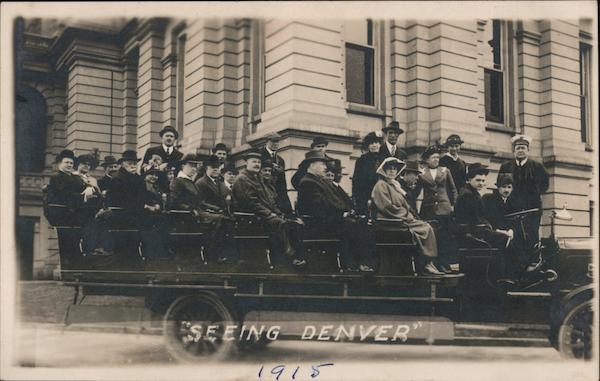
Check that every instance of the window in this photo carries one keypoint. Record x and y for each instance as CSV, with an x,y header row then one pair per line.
x,y
498,73
257,70
360,62
584,91
494,77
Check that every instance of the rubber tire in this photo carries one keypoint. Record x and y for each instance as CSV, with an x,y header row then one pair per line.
x,y
174,345
563,347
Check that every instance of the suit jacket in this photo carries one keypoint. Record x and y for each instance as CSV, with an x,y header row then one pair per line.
x,y
212,194
316,197
469,208
184,194
458,169
364,179
65,189
530,181
341,193
495,209
127,190
439,194
104,182
175,155
251,195
384,153
390,203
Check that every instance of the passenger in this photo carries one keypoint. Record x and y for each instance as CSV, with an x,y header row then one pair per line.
x,y
390,201
365,176
229,173
171,173
451,160
127,188
439,191
334,172
319,143
281,199
496,206
214,208
153,230
111,167
184,193
409,181
317,197
269,153
439,195
531,180
68,189
92,202
221,152
470,209
163,156
251,195
390,148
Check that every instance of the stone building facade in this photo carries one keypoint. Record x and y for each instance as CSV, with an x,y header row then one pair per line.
x,y
109,86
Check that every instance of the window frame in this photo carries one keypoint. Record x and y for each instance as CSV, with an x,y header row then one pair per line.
x,y
375,36
508,64
180,39
585,93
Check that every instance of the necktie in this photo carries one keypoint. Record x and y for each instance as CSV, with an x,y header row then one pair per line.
x,y
393,151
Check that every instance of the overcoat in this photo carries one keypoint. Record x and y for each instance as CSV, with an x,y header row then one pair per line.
x,y
458,169
212,194
279,181
251,195
495,208
316,197
439,194
174,157
530,181
469,207
364,179
127,190
184,194
384,153
389,202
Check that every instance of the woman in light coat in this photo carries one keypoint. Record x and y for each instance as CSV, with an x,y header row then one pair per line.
x,y
389,200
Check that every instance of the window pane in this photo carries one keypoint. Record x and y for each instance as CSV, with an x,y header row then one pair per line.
x,y
359,74
358,31
494,97
496,45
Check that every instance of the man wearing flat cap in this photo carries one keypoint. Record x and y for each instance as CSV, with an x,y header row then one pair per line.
x,y
318,198
278,180
250,195
390,147
451,160
530,181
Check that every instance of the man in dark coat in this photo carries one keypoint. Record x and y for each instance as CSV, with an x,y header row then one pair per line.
x,y
335,167
320,144
390,148
214,208
127,189
318,198
531,180
451,160
281,199
251,195
163,156
365,168
409,181
111,167
269,153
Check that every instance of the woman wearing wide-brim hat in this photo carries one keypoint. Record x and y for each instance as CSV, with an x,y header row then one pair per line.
x,y
389,200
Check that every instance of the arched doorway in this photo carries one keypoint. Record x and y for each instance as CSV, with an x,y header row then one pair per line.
x,y
30,146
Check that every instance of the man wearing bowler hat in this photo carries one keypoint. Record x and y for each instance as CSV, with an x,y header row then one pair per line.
x,y
318,198
390,148
127,189
451,160
111,167
167,151
250,195
530,181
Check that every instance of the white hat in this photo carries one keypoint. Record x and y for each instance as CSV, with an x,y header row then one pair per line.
x,y
520,139
401,164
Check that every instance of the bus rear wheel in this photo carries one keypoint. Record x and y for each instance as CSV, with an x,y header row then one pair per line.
x,y
575,333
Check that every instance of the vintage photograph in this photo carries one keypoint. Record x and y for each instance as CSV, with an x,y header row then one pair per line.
x,y
337,191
